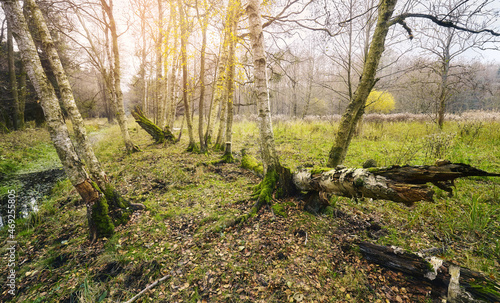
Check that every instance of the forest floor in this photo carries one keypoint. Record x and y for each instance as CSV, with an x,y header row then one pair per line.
x,y
295,257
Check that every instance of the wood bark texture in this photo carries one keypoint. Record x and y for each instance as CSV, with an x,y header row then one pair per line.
x,y
269,156
405,184
99,222
460,284
84,149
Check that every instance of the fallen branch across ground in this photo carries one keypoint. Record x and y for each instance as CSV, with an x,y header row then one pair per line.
x,y
150,286
460,284
406,184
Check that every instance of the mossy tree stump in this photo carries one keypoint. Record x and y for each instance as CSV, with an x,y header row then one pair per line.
x,y
159,135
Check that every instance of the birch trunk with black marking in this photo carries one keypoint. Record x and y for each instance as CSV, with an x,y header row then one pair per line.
x,y
405,184
269,156
100,224
276,176
457,283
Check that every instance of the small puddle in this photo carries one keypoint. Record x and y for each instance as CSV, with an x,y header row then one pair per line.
x,y
30,189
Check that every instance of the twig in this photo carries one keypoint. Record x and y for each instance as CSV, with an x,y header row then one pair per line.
x,y
147,288
305,242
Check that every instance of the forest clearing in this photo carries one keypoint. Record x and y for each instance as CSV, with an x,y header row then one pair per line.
x,y
284,254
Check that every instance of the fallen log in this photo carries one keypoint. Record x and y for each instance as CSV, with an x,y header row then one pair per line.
x,y
460,284
159,135
405,184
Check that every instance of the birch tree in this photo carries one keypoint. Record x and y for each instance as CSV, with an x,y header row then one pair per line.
x,y
219,89
100,223
203,20
274,173
105,207
231,69
187,111
120,110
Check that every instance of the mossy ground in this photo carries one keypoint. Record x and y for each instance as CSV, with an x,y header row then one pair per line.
x,y
270,258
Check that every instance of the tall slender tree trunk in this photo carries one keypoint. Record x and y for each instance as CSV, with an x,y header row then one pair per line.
x,y
231,68
355,109
222,119
443,86
120,110
142,71
12,77
22,95
84,149
187,110
268,150
171,102
159,67
100,223
201,103
220,87
164,83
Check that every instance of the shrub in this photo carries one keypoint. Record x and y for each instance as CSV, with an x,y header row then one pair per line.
x,y
380,102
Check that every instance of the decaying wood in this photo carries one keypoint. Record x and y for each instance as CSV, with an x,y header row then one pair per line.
x,y
461,284
406,184
157,133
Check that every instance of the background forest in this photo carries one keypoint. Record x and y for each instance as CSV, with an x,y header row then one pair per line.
x,y
315,59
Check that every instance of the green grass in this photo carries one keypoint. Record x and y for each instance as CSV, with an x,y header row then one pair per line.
x,y
183,232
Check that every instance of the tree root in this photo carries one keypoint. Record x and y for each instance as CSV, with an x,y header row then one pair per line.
x,y
276,183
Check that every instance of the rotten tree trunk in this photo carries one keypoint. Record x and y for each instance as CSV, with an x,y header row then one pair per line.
x,y
405,184
460,284
159,135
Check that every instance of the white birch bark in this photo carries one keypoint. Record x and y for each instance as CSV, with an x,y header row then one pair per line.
x,y
57,128
268,150
84,150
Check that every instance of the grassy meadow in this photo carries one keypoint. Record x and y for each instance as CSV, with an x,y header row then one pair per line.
x,y
288,256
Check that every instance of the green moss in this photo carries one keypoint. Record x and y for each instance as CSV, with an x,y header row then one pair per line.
x,y
249,162
193,148
103,223
218,147
267,186
485,288
120,211
228,158
373,170
319,170
279,209
359,182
